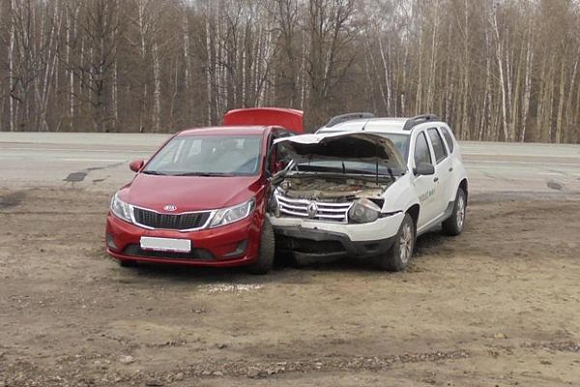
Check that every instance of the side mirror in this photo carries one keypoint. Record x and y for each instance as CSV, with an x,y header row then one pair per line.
x,y
136,165
424,169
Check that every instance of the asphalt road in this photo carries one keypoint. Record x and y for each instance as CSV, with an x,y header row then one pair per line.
x,y
97,161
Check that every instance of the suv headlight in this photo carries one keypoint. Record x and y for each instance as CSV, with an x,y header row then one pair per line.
x,y
121,209
364,211
232,214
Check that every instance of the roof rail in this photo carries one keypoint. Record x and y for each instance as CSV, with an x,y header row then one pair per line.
x,y
414,121
348,117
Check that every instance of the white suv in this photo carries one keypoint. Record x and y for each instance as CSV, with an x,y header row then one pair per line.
x,y
366,187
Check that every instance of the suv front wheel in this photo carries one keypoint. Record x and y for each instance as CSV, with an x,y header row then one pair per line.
x,y
399,255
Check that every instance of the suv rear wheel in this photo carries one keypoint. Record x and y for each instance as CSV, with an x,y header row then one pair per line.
x,y
456,222
399,255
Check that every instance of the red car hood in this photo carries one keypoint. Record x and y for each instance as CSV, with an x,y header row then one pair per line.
x,y
189,193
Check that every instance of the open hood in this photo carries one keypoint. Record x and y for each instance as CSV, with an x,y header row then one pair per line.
x,y
351,146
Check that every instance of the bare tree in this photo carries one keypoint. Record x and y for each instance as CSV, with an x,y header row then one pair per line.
x,y
494,69
330,24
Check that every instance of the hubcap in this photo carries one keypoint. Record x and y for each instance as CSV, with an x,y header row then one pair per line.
x,y
460,212
406,243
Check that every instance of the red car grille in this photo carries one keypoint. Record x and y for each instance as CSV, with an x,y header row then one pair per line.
x,y
172,222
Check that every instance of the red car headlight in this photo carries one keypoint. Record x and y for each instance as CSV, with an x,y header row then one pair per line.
x,y
232,214
121,209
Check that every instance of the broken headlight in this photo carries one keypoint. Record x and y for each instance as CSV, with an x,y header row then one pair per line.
x,y
364,211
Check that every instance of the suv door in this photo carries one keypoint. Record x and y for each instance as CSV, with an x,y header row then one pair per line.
x,y
443,169
424,185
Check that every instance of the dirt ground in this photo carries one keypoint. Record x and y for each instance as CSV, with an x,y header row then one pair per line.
x,y
497,306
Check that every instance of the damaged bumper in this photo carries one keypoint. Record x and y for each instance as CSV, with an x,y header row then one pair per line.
x,y
314,240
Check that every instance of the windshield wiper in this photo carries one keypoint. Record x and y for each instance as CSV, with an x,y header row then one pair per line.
x,y
205,174
154,173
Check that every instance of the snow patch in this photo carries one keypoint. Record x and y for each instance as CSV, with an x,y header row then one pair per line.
x,y
230,288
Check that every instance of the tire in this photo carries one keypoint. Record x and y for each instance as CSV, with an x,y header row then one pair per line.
x,y
400,253
454,225
267,251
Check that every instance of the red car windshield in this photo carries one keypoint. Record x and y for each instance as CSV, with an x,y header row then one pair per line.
x,y
208,156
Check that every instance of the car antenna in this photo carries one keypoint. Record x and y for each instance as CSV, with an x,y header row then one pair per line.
x,y
365,125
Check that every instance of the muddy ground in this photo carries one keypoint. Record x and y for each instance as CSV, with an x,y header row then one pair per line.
x,y
497,306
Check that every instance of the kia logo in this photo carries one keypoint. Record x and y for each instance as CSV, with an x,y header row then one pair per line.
x,y
170,207
312,209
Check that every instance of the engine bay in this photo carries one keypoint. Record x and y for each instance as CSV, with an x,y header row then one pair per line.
x,y
331,188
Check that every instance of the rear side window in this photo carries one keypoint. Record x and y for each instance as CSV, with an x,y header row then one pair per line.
x,y
438,147
448,138
422,154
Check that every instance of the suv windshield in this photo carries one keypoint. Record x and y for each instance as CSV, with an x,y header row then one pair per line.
x,y
401,141
208,156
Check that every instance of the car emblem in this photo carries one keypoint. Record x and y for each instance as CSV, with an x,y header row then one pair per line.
x,y
170,207
312,209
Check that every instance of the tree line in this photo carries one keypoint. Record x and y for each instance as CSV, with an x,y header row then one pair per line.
x,y
494,69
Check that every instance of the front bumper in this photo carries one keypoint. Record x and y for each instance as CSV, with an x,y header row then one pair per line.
x,y
236,244
310,239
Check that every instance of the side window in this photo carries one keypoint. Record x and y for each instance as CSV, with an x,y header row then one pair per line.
x,y
438,147
422,154
448,138
284,157
276,158
284,133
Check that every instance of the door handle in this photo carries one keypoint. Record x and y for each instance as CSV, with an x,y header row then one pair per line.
x,y
436,179
451,169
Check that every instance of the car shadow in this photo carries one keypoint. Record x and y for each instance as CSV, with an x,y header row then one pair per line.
x,y
285,268
430,243
200,275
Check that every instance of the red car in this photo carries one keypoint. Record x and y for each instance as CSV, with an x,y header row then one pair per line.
x,y
201,199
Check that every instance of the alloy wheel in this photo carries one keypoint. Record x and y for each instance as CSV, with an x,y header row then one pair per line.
x,y
406,243
460,211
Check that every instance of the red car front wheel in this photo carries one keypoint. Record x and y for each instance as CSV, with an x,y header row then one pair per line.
x,y
266,254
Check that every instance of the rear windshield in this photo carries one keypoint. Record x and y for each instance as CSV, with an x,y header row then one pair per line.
x,y
208,155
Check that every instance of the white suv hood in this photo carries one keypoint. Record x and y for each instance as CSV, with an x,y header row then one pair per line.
x,y
351,146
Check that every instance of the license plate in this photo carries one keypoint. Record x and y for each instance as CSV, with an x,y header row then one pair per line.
x,y
166,244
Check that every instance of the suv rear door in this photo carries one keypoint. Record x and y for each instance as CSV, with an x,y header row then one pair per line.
x,y
443,170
